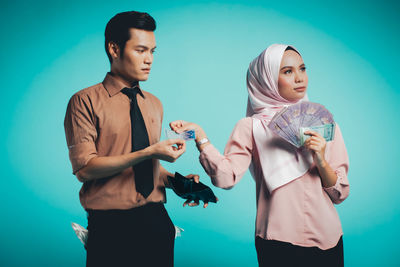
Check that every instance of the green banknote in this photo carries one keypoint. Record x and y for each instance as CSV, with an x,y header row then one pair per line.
x,y
327,131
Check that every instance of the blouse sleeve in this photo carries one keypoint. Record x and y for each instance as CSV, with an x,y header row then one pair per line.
x,y
339,161
227,170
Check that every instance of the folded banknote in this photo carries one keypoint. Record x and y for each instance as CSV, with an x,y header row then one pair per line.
x,y
327,131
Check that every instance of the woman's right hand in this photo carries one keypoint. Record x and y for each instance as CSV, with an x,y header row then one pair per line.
x,y
180,126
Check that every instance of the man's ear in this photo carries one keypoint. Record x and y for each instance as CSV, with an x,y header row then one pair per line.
x,y
114,50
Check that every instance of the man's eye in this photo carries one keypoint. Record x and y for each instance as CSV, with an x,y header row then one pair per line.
x,y
303,68
153,51
140,50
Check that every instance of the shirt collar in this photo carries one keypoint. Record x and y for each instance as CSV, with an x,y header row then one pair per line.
x,y
114,86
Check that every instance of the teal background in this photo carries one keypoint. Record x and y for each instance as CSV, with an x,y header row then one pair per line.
x,y
51,49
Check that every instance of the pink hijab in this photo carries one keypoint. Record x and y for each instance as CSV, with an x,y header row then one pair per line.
x,y
280,162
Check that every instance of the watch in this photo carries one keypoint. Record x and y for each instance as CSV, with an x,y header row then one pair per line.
x,y
202,141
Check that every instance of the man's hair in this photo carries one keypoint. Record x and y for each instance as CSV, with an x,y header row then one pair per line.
x,y
117,29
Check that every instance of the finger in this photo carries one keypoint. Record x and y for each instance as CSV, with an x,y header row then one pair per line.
x,y
186,202
313,133
176,141
180,126
189,176
318,138
179,152
309,132
195,177
183,146
176,124
195,203
314,142
205,205
313,139
313,148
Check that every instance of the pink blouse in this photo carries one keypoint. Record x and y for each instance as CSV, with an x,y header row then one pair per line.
x,y
300,212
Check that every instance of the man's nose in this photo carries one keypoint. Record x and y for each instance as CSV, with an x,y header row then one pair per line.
x,y
148,59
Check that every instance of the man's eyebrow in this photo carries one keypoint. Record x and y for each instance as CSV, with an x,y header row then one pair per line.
x,y
145,47
141,46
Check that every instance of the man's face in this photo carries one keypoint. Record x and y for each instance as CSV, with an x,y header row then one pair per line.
x,y
135,62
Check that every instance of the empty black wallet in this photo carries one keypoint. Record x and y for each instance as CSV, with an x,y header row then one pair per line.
x,y
189,189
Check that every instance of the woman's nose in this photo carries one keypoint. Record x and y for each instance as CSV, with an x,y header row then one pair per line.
x,y
299,77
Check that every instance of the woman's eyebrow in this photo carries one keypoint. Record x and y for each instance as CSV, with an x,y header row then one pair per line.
x,y
286,67
290,67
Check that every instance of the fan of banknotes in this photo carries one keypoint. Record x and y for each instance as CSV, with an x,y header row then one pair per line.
x,y
291,122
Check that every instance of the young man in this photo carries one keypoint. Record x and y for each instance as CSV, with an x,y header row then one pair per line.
x,y
113,130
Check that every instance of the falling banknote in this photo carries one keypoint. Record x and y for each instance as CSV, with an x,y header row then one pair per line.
x,y
83,233
327,131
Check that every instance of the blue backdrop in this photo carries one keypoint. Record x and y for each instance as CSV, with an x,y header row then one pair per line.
x,y
52,49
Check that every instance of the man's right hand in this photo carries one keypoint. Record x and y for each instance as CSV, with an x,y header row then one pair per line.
x,y
166,150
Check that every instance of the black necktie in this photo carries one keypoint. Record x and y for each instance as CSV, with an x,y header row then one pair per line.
x,y
140,140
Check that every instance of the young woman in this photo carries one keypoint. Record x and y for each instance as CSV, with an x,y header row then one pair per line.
x,y
297,223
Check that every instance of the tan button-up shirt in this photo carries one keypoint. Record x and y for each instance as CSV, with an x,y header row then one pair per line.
x,y
97,123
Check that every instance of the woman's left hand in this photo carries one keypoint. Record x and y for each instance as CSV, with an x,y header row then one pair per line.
x,y
317,144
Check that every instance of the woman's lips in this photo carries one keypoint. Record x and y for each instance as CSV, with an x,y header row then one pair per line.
x,y
146,70
300,89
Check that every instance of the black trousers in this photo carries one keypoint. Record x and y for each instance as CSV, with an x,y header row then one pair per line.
x,y
142,236
277,253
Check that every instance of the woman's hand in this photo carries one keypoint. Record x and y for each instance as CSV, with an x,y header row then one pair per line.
x,y
180,126
317,144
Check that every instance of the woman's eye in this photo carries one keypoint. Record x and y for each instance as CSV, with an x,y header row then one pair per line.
x,y
288,71
140,51
303,68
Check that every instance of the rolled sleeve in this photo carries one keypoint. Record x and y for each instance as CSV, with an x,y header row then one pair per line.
x,y
339,191
80,131
339,161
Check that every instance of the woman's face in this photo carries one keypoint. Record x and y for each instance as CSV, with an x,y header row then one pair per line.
x,y
292,80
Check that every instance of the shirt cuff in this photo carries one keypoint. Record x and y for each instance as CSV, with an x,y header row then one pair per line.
x,y
336,187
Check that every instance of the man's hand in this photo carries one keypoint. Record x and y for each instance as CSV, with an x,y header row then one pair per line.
x,y
195,202
166,150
